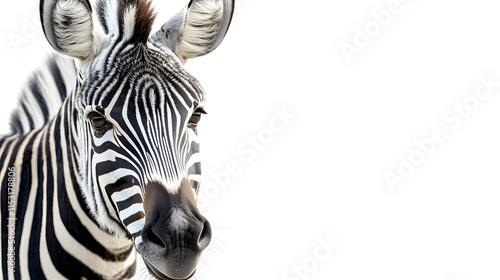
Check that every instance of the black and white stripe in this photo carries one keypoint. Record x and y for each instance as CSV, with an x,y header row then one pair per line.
x,y
103,161
39,102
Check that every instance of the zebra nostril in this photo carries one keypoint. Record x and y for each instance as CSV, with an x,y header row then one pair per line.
x,y
205,236
198,242
155,239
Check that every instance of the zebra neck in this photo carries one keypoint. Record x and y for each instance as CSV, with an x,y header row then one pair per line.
x,y
58,236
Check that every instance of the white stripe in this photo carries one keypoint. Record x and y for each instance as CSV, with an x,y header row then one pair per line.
x,y
195,177
45,259
134,208
195,158
137,241
115,175
136,226
126,194
29,213
129,22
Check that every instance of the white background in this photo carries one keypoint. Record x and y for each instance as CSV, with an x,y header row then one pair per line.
x,y
321,175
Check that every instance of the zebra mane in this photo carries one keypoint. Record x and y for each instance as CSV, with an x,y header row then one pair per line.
x,y
43,94
133,19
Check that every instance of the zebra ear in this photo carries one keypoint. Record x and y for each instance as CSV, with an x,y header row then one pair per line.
x,y
68,26
197,29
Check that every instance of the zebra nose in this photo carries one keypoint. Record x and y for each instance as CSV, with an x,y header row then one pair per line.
x,y
173,220
178,232
174,233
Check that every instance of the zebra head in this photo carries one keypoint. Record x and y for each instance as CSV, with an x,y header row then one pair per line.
x,y
135,112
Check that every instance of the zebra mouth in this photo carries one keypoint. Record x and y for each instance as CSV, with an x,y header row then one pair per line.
x,y
156,273
181,265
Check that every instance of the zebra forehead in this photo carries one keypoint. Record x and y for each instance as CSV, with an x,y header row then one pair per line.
x,y
131,20
140,74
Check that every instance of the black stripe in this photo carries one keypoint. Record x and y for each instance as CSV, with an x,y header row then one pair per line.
x,y
34,265
135,217
25,179
40,101
136,198
26,113
101,11
15,123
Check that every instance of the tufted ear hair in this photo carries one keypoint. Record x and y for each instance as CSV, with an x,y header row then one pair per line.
x,y
197,29
68,26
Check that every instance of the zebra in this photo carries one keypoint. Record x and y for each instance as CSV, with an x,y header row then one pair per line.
x,y
102,163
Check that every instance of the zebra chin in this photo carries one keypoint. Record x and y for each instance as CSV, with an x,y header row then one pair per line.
x,y
172,270
174,234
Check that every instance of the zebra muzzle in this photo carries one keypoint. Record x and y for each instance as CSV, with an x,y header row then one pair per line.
x,y
175,233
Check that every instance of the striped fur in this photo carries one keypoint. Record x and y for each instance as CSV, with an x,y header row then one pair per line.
x,y
38,102
103,159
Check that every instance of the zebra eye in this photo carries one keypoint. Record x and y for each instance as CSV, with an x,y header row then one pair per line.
x,y
98,122
195,117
